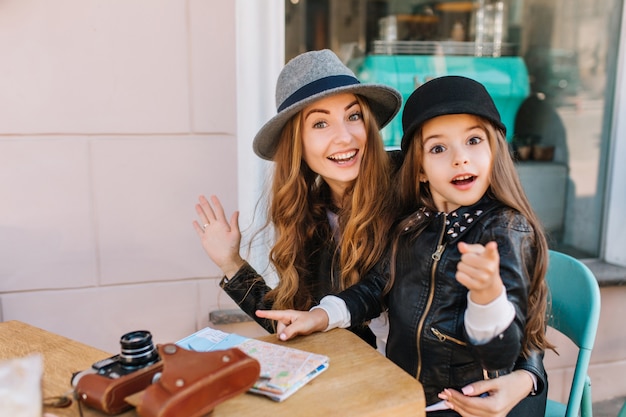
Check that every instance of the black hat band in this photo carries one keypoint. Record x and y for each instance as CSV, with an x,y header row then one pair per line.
x,y
316,87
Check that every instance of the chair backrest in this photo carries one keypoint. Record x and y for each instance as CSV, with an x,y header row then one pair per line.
x,y
574,310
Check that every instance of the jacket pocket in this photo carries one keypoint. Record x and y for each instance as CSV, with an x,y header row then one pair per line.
x,y
443,337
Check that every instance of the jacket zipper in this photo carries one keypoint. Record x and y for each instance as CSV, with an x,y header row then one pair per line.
x,y
431,294
443,337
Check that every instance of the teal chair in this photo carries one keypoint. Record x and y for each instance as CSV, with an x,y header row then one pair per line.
x,y
622,412
574,310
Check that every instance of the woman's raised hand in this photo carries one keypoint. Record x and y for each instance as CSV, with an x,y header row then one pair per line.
x,y
291,323
220,238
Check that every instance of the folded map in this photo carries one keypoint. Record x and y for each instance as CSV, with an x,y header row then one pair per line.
x,y
284,370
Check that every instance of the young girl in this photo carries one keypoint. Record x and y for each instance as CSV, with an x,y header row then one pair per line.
x,y
464,284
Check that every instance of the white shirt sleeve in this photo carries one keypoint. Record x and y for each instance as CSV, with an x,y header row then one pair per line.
x,y
380,327
337,311
484,322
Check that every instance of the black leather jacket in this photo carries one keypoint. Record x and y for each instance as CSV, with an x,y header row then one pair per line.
x,y
426,304
248,289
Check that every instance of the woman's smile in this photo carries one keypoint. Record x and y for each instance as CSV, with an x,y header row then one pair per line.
x,y
333,140
343,158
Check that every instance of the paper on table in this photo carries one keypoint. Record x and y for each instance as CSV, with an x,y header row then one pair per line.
x,y
20,383
441,405
284,370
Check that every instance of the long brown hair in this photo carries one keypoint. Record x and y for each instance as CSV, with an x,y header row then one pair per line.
x,y
299,199
505,186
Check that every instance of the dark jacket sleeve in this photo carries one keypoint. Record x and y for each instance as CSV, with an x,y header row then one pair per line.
x,y
534,364
248,289
365,300
495,355
517,256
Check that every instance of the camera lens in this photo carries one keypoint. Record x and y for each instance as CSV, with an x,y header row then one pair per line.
x,y
137,349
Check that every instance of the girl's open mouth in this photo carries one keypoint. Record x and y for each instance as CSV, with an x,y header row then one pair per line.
x,y
464,179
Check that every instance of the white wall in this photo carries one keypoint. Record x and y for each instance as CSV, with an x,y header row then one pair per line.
x,y
260,58
114,117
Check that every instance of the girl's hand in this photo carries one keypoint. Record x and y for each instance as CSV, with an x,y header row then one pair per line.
x,y
479,271
291,323
220,238
504,393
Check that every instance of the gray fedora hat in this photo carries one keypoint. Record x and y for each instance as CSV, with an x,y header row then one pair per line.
x,y
312,76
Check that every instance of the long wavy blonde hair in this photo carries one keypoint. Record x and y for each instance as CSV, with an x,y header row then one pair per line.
x,y
298,202
505,186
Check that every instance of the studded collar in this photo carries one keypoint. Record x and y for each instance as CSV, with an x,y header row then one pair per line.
x,y
457,222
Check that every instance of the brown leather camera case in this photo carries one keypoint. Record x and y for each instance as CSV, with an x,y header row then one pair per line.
x,y
107,395
193,383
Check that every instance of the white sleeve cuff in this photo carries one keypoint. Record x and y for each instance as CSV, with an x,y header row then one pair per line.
x,y
337,311
534,378
484,322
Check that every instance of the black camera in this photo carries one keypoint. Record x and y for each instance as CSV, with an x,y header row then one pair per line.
x,y
137,351
109,381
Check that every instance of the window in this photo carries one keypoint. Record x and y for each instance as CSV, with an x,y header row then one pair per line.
x,y
550,65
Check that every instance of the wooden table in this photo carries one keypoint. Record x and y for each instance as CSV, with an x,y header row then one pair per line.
x,y
358,382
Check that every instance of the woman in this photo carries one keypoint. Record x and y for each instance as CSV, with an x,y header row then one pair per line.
x,y
330,190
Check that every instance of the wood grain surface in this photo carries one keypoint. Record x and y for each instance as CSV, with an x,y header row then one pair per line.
x,y
359,381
